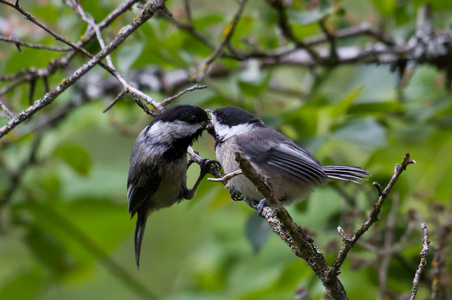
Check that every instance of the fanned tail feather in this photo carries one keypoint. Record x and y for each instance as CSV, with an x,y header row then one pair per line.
x,y
346,173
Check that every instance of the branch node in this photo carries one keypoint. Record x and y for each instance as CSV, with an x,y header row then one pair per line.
x,y
166,11
8,113
226,177
378,188
342,233
348,244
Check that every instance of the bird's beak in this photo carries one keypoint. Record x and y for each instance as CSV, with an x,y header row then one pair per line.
x,y
208,126
210,112
212,115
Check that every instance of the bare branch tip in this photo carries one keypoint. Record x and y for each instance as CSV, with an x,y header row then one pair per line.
x,y
166,11
341,232
378,188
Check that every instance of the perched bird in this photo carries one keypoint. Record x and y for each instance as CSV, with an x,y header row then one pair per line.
x,y
292,171
158,164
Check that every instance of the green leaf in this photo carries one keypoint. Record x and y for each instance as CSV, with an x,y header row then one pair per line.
x,y
47,249
253,81
290,276
347,101
75,156
128,54
375,107
24,286
208,20
366,132
386,7
85,229
325,6
304,18
310,17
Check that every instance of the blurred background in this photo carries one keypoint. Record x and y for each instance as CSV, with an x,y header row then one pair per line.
x,y
65,231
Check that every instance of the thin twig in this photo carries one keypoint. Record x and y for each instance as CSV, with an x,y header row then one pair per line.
x,y
361,29
334,58
14,84
118,97
110,68
31,92
214,169
226,177
348,243
188,12
227,34
58,37
144,107
17,177
168,100
190,29
8,113
424,253
387,247
146,13
77,8
287,30
63,61
127,87
35,46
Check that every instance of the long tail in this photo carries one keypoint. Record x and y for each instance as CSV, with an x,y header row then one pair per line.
x,y
139,232
346,173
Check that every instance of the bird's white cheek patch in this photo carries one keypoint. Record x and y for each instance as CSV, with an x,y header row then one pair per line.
x,y
224,131
166,132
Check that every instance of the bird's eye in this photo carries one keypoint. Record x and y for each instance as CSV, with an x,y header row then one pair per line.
x,y
192,120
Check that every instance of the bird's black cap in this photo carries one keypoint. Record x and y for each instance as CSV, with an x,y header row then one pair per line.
x,y
233,116
184,112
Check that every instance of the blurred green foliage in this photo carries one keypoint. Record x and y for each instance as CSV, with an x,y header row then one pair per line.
x,y
66,232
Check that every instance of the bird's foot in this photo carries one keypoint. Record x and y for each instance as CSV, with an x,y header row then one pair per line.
x,y
260,207
208,165
236,196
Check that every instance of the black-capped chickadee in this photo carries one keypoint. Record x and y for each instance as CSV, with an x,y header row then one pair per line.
x,y
158,164
292,171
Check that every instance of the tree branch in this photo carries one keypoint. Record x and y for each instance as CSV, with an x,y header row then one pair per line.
x,y
294,236
424,253
35,46
348,243
8,113
168,100
146,13
302,244
226,177
227,34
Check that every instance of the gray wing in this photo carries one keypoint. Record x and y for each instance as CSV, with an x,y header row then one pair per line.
x,y
281,155
140,188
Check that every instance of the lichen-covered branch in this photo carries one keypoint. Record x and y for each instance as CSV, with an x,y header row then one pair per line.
x,y
424,253
293,235
146,13
302,244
